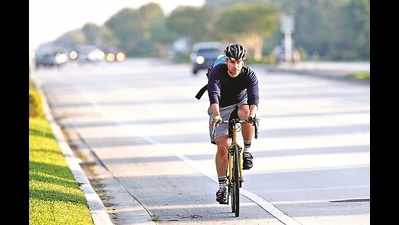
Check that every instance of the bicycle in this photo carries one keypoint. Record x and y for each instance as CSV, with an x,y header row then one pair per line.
x,y
234,162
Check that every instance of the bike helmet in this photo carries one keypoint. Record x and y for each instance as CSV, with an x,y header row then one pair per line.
x,y
236,51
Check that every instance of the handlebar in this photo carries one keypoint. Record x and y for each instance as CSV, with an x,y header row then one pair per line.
x,y
255,123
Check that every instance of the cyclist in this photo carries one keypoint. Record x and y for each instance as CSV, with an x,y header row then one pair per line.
x,y
232,85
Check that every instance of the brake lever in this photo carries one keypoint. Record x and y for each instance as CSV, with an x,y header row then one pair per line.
x,y
213,129
256,124
256,130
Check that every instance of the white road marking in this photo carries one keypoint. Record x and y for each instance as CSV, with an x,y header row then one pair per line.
x,y
255,198
320,189
315,201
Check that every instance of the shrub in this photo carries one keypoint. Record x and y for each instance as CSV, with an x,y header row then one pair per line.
x,y
35,101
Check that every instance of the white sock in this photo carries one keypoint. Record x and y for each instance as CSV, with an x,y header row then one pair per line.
x,y
247,146
222,182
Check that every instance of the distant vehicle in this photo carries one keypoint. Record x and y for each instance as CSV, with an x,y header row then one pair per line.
x,y
88,54
49,55
50,59
204,55
114,55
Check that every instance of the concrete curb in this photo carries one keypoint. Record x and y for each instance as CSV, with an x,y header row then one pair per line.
x,y
330,75
98,212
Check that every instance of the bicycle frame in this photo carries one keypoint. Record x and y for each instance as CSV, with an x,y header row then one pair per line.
x,y
234,177
234,160
231,151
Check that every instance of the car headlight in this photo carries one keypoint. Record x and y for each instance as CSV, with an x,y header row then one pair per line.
x,y
96,55
73,55
200,59
61,58
120,56
110,57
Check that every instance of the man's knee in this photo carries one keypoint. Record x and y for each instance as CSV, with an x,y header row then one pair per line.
x,y
243,112
222,144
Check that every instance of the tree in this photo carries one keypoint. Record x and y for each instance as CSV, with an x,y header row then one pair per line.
x,y
107,38
139,31
72,38
335,30
155,35
355,21
313,28
162,37
124,25
189,22
99,36
249,24
150,15
91,30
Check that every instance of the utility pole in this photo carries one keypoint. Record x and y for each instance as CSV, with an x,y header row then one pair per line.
x,y
287,28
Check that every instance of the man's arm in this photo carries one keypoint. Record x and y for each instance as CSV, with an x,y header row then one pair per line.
x,y
253,94
214,90
215,109
253,109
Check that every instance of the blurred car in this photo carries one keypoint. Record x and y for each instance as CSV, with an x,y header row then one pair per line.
x,y
204,55
50,59
88,54
114,55
49,55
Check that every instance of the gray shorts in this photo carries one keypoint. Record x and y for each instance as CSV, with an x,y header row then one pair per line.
x,y
222,129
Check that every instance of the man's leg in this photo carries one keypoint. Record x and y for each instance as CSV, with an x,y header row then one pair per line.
x,y
248,131
221,168
221,155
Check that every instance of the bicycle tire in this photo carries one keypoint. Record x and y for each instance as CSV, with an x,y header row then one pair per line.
x,y
230,185
232,198
236,183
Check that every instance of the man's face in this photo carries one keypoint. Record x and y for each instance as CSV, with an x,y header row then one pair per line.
x,y
234,67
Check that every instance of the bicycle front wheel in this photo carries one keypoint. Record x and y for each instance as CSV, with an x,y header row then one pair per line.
x,y
236,183
231,194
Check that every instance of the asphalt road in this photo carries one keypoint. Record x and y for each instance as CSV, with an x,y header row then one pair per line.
x,y
140,118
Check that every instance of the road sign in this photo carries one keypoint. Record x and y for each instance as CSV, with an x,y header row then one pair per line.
x,y
287,24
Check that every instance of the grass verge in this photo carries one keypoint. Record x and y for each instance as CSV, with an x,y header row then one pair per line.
x,y
54,196
360,75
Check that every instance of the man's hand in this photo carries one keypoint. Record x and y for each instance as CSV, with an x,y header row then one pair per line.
x,y
252,119
255,122
216,119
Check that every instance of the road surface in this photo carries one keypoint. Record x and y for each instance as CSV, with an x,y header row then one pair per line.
x,y
140,118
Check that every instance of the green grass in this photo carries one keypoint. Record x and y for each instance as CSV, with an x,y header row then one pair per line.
x,y
54,196
360,75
